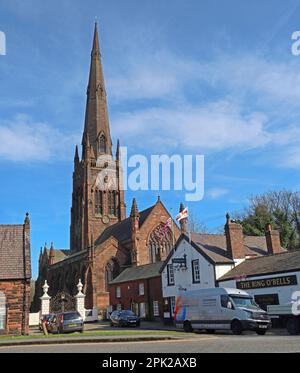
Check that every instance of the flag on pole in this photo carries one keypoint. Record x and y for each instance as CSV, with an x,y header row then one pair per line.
x,y
183,214
168,225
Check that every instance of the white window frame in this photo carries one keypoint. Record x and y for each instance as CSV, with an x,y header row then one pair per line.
x,y
141,288
196,271
171,275
3,311
155,308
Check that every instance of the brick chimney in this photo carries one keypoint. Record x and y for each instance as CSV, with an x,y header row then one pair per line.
x,y
273,240
234,239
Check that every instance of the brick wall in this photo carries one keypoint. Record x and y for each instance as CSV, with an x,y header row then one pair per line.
x,y
130,295
17,306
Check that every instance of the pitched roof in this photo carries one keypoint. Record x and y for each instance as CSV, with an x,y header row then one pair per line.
x,y
122,230
277,263
59,254
138,273
12,252
214,247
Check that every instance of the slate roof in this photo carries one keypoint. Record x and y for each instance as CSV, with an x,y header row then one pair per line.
x,y
214,245
270,264
11,252
214,248
138,273
122,230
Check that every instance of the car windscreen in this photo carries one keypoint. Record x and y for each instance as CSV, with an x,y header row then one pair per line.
x,y
247,302
71,316
128,313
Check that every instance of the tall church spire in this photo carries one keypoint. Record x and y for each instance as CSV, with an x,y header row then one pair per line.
x,y
96,126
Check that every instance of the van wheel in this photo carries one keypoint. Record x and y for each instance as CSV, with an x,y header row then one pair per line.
x,y
236,327
293,326
187,327
210,331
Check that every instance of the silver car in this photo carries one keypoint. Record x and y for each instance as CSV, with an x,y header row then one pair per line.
x,y
66,322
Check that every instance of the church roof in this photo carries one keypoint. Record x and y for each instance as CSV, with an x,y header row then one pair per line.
x,y
263,265
59,254
122,230
12,249
138,273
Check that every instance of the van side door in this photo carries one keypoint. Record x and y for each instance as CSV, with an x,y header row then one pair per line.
x,y
227,311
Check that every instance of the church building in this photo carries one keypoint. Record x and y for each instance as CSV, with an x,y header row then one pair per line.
x,y
103,242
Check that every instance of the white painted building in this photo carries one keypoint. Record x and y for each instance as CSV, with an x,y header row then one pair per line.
x,y
199,262
272,280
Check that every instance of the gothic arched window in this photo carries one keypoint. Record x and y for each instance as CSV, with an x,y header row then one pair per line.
x,y
112,270
98,202
102,144
160,243
2,311
112,202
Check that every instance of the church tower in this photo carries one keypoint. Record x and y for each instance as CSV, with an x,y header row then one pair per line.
x,y
98,196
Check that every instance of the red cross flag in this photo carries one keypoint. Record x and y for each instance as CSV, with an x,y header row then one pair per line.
x,y
183,214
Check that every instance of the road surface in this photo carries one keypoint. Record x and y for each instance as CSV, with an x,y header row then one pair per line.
x,y
196,344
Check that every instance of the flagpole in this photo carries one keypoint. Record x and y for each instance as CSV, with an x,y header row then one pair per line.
x,y
172,228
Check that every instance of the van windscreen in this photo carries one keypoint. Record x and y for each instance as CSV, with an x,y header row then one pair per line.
x,y
240,301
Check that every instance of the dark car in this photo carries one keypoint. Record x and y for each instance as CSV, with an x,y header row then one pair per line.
x,y
124,318
46,319
65,322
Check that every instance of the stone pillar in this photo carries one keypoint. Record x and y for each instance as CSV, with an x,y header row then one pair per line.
x,y
80,300
45,300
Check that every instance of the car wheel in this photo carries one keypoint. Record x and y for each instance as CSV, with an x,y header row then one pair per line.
x,y
261,332
236,327
187,327
293,326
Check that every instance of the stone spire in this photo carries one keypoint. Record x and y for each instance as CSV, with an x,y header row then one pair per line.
x,y
96,127
134,209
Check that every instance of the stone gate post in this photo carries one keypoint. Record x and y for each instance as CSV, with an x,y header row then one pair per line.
x,y
80,300
45,300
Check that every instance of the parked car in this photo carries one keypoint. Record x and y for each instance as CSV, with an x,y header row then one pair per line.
x,y
220,309
65,322
124,318
46,319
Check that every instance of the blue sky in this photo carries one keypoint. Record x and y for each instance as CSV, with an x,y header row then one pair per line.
x,y
189,77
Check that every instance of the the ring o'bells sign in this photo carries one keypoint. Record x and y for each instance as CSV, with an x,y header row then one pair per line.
x,y
267,282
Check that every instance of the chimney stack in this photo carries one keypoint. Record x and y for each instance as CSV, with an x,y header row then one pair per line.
x,y
273,240
234,239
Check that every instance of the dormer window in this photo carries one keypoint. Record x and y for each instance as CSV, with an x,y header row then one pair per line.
x,y
102,144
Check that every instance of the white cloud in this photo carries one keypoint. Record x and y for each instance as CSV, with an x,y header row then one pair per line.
x,y
214,127
24,140
215,193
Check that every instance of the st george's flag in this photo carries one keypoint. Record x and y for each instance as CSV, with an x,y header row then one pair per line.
x,y
183,214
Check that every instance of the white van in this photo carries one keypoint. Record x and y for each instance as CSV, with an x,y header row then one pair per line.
x,y
218,309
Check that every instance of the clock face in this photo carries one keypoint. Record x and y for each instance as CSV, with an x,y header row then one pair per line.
x,y
105,219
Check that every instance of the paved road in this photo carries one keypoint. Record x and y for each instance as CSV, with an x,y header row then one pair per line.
x,y
195,344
